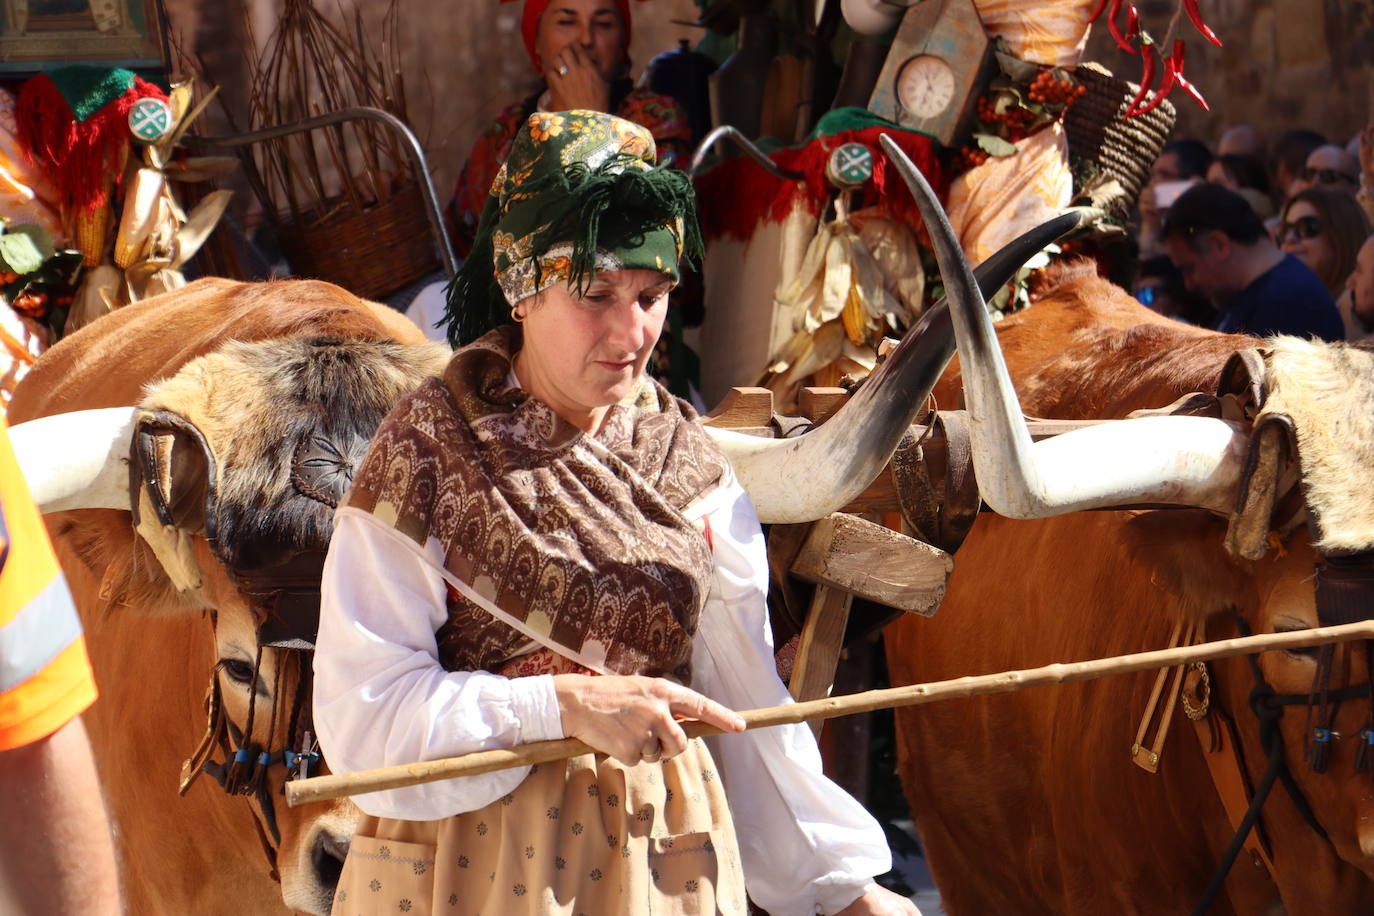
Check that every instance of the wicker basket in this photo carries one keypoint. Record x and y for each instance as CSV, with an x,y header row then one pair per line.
x,y
1123,148
369,252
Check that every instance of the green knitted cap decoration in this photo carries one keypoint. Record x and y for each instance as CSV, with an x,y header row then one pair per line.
x,y
579,193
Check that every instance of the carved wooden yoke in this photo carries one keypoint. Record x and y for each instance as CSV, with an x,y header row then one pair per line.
x,y
866,550
843,556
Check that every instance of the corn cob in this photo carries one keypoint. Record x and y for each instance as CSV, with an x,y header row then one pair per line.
x,y
140,216
854,315
92,228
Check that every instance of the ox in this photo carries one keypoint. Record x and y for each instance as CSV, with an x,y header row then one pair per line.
x,y
254,400
1029,802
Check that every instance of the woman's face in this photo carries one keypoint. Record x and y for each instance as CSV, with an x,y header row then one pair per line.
x,y
1304,234
593,25
581,354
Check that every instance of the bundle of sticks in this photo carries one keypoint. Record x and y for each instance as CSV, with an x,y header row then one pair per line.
x,y
310,67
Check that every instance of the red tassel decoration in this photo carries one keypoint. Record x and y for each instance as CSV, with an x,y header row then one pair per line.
x,y
79,155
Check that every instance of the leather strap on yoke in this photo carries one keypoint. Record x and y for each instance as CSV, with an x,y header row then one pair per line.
x,y
1270,471
941,516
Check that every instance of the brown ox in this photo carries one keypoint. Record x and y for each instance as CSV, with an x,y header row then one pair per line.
x,y
1028,802
285,382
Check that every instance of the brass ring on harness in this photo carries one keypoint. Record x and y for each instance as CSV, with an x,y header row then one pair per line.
x,y
1201,687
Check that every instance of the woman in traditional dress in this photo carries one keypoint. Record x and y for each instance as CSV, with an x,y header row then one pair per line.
x,y
543,544
580,49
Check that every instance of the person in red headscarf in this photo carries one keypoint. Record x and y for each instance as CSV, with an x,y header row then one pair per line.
x,y
580,48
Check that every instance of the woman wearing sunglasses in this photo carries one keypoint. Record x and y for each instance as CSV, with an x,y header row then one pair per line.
x,y
1324,229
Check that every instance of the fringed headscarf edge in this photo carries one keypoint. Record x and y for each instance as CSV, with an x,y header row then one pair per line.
x,y
634,202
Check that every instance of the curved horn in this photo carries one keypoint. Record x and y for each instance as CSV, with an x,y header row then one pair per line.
x,y
808,477
1192,461
77,460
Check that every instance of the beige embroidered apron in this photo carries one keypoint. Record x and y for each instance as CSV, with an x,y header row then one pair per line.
x,y
586,836
581,836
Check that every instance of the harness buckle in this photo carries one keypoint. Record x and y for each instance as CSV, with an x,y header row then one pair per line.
x,y
302,762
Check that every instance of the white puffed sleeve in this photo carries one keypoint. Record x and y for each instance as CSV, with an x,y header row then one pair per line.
x,y
807,846
381,696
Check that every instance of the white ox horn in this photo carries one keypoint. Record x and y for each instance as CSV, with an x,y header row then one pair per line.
x,y
77,460
1182,461
810,476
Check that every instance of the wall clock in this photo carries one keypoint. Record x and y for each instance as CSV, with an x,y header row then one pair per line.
x,y
934,69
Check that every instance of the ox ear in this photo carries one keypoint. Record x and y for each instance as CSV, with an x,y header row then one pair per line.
x,y
1185,552
173,482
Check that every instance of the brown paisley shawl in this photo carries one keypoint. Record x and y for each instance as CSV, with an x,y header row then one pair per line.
x,y
577,541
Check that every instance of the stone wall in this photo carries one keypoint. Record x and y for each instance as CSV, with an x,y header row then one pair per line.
x,y
1285,64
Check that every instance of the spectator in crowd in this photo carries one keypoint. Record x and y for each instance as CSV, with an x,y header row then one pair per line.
x,y
1290,156
1180,163
580,50
1357,305
56,852
1324,229
1221,248
1245,174
1328,166
1365,145
1241,140
1159,285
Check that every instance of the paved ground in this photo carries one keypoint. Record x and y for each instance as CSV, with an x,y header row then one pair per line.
x,y
913,870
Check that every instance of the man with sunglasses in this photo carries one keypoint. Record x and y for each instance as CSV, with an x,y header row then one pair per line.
x,y
1221,248
1328,166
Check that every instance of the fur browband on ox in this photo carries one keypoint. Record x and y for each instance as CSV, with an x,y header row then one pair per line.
x,y
253,445
1328,392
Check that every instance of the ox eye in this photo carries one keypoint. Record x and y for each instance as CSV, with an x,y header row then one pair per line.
x,y
1306,652
238,671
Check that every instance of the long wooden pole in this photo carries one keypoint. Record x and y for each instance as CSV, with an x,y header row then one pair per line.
x,y
339,785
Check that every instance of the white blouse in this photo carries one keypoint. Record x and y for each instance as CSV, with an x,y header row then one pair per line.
x,y
382,698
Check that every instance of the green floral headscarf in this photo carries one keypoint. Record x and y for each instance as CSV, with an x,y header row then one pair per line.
x,y
579,193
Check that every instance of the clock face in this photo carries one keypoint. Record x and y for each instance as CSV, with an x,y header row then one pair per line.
x,y
925,86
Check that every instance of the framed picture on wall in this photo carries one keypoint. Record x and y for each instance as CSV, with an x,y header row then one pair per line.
x,y
38,35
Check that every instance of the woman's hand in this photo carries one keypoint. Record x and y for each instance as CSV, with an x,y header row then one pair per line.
x,y
632,718
880,902
575,82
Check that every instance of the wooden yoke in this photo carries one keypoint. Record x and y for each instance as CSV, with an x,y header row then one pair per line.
x,y
843,555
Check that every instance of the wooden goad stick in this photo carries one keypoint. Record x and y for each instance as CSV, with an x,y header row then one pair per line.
x,y
339,785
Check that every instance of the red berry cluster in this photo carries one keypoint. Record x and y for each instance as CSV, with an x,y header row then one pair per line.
x,y
1013,116
32,302
970,157
1046,89
1014,119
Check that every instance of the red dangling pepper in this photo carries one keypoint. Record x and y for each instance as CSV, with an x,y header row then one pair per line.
x,y
1120,39
1097,11
1165,84
1196,17
1187,87
1147,76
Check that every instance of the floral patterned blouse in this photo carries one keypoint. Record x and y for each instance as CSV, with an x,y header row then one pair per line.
x,y
664,118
